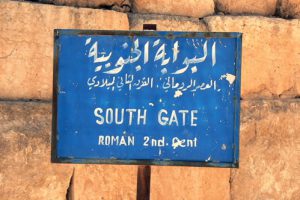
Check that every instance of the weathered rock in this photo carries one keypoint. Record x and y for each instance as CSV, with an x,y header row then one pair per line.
x,y
270,54
25,168
93,182
269,151
166,23
27,173
26,40
191,8
262,7
189,183
95,3
289,8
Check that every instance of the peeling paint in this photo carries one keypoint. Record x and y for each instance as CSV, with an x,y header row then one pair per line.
x,y
224,147
229,77
177,144
177,94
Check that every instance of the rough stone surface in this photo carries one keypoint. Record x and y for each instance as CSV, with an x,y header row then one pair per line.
x,y
25,168
191,8
261,7
94,182
189,183
26,40
270,54
289,8
166,23
269,151
27,173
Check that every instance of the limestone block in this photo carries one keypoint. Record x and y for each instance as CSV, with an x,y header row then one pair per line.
x,y
261,7
26,171
189,183
269,151
93,182
26,40
191,8
289,8
166,23
270,54
25,168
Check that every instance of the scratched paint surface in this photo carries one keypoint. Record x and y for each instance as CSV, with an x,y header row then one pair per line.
x,y
148,97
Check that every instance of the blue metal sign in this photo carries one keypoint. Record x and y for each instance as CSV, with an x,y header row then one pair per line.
x,y
163,98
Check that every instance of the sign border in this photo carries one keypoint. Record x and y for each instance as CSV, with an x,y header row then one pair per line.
x,y
169,35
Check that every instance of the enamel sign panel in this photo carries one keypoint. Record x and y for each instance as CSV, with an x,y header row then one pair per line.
x,y
158,98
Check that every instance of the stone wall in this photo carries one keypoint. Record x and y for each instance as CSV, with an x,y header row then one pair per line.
x,y
270,127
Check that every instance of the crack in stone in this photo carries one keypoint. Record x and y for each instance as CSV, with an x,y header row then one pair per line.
x,y
11,52
69,193
205,22
230,184
124,6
